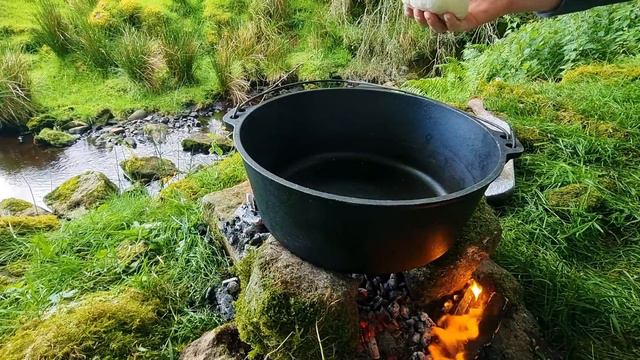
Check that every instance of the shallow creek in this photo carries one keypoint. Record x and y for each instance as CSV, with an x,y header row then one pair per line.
x,y
29,171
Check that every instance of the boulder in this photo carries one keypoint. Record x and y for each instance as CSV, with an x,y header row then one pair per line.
x,y
286,305
222,343
519,337
137,115
80,193
205,143
19,207
148,168
55,138
452,271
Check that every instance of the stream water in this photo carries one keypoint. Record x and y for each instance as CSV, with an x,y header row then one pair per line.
x,y
29,171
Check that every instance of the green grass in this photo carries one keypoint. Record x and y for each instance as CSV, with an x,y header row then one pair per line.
x,y
571,231
133,241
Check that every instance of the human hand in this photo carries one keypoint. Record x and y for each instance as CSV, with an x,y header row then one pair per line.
x,y
480,12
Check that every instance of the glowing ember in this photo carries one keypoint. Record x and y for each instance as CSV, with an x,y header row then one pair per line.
x,y
454,331
476,289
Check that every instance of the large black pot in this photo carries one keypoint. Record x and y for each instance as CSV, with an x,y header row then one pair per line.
x,y
366,179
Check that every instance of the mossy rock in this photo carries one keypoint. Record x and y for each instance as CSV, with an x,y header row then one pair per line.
x,y
40,122
575,197
55,138
149,168
221,175
283,301
19,207
118,325
222,343
80,193
21,225
206,143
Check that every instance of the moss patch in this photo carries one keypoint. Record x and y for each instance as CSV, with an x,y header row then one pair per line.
x,y
55,138
218,176
147,169
575,197
117,323
28,224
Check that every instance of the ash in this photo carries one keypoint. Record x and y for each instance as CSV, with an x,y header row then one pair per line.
x,y
245,229
390,328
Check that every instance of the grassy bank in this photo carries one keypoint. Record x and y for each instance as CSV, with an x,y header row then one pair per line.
x,y
128,278
88,55
571,230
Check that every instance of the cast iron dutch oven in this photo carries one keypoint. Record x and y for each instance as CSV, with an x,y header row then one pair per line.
x,y
366,179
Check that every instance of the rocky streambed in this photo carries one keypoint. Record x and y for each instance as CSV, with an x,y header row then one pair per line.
x,y
29,169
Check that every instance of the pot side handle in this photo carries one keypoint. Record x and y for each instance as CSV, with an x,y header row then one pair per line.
x,y
500,129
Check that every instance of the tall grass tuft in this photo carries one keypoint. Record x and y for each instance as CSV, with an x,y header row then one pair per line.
x,y
53,29
137,56
231,83
15,95
88,42
181,49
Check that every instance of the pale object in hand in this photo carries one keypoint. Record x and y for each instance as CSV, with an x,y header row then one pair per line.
x,y
459,8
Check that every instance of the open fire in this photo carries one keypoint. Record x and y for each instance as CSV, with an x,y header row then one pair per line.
x,y
454,331
393,328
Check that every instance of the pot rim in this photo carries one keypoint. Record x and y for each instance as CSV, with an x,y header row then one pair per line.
x,y
246,157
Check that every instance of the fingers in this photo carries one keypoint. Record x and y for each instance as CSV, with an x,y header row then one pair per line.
x,y
454,24
408,11
439,24
435,23
419,15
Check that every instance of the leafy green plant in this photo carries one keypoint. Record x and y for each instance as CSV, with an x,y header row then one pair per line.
x,y
89,42
16,105
545,49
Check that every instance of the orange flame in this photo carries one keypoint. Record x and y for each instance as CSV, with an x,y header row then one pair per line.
x,y
454,331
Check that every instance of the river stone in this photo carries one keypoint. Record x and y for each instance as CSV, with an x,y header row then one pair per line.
x,y
103,117
519,337
19,207
80,193
55,138
117,130
452,271
203,143
148,168
78,130
137,115
222,343
156,132
73,124
284,298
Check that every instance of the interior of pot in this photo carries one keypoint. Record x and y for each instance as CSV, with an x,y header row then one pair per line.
x,y
369,144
